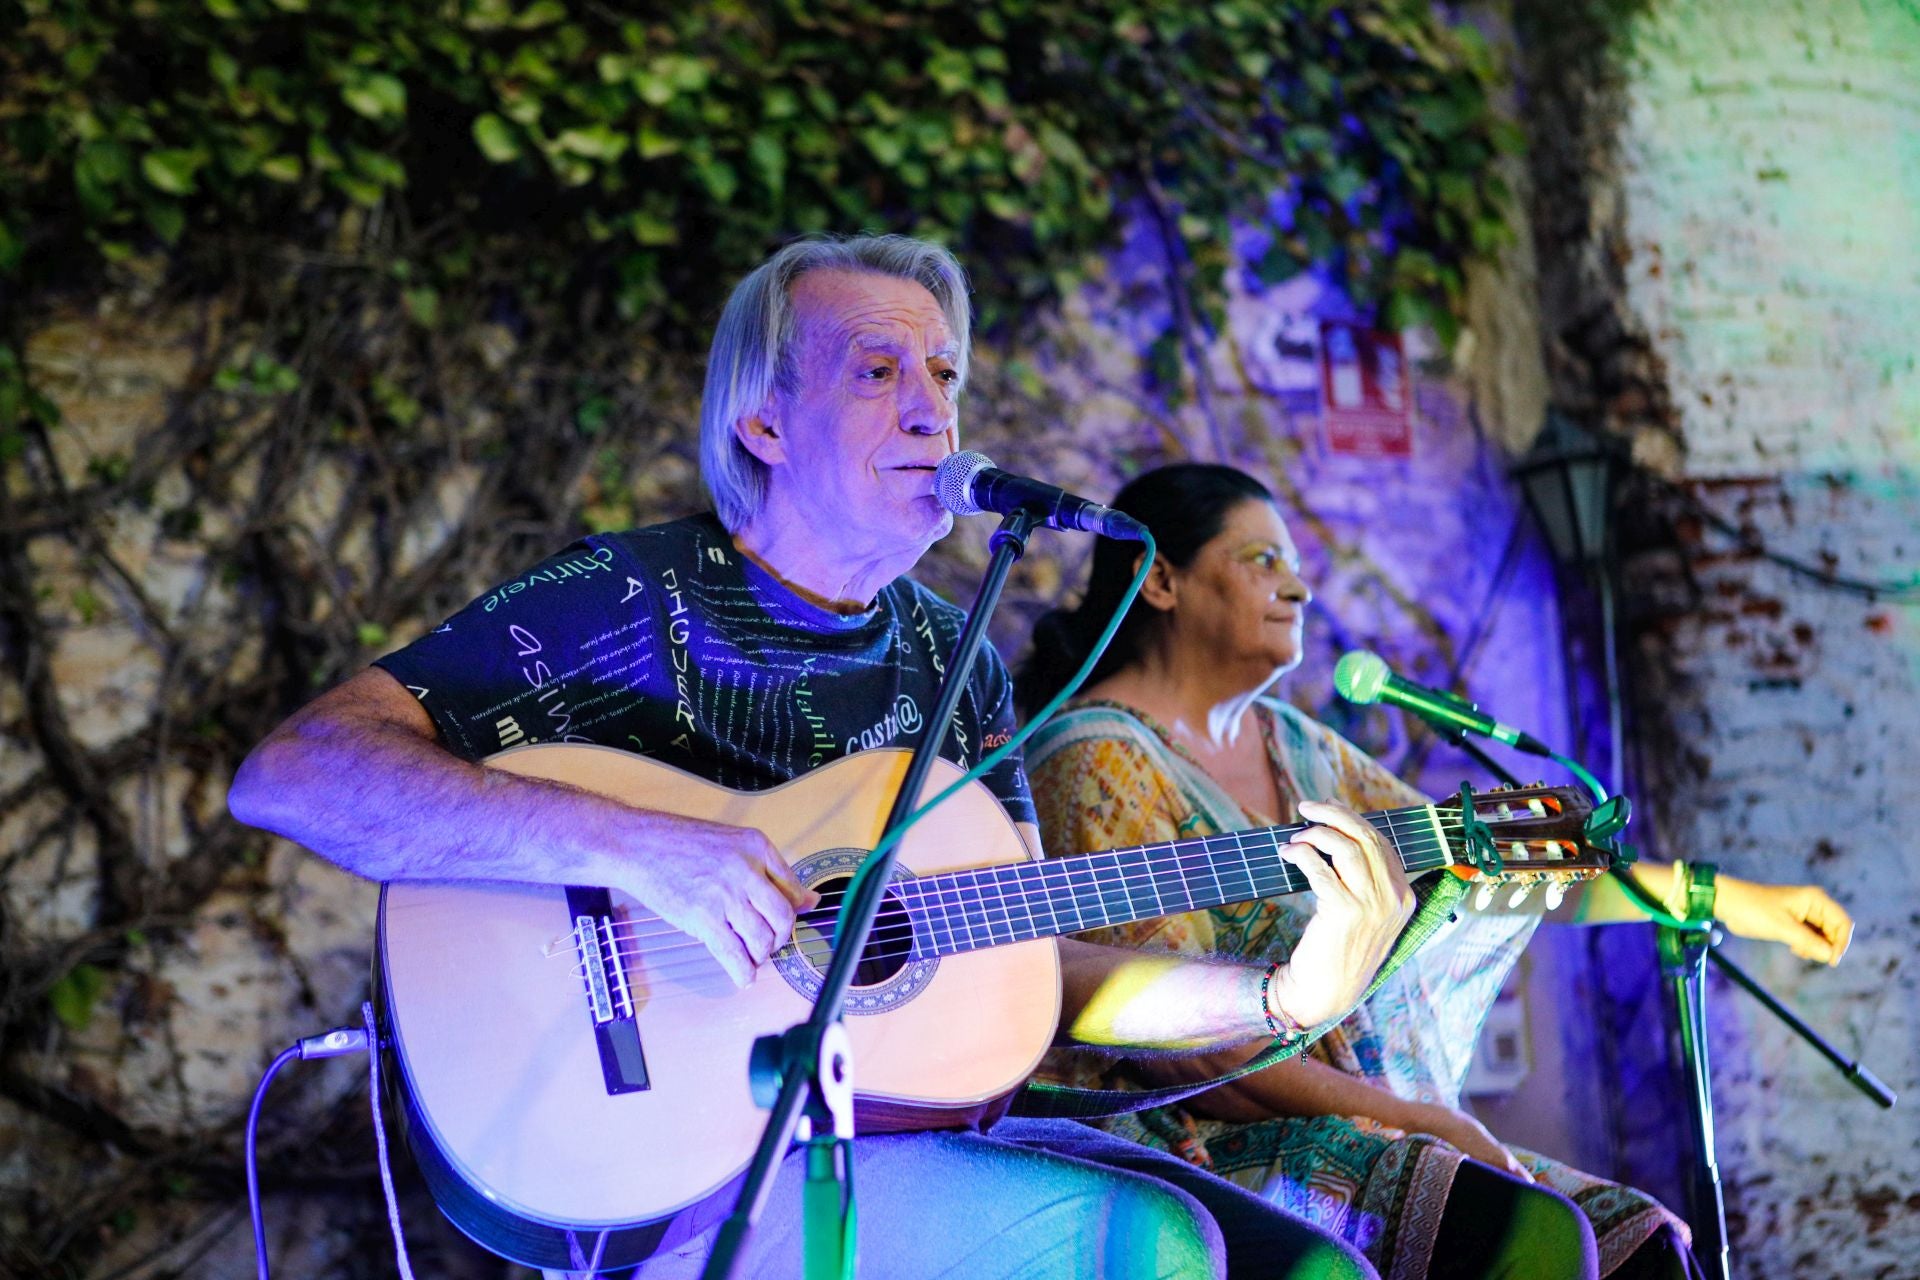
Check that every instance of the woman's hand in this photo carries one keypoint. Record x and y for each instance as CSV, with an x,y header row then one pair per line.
x,y
1466,1135
1364,903
1800,916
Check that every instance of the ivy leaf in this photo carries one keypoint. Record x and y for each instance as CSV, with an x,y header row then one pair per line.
x,y
884,144
597,142
168,219
769,160
651,230
541,13
282,168
423,306
75,993
719,178
101,166
652,144
375,95
951,69
495,139
173,170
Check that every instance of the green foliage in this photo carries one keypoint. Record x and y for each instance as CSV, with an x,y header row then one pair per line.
x,y
75,993
660,154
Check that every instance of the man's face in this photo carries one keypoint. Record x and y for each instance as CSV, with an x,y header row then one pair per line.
x,y
872,415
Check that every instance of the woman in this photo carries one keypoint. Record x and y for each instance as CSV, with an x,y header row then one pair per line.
x,y
1173,738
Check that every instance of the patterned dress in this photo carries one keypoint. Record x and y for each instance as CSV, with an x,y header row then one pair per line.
x,y
1106,776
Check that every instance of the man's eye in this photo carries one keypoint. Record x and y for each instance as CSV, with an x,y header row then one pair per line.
x,y
877,373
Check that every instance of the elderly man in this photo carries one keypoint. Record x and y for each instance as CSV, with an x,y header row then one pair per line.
x,y
748,647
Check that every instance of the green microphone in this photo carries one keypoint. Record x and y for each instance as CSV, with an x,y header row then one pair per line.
x,y
1365,678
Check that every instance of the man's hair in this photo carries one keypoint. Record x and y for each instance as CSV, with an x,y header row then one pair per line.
x,y
753,356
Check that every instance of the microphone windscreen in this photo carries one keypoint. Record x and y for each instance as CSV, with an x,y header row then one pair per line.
x,y
953,481
1360,675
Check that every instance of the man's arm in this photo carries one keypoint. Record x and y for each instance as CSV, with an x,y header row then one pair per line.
x,y
1119,998
359,777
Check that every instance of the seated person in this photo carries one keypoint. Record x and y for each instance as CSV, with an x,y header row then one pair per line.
x,y
755,643
1176,735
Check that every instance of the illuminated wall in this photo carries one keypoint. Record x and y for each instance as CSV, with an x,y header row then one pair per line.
x,y
1772,216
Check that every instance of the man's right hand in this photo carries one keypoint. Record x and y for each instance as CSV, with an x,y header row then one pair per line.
x,y
727,886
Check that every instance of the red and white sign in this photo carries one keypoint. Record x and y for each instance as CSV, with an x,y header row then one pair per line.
x,y
1366,401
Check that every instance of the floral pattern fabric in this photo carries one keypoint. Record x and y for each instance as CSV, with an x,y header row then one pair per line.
x,y
1106,776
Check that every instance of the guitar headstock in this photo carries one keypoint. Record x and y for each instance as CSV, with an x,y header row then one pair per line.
x,y
1538,836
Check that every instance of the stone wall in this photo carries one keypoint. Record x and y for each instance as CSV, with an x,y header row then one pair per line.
x,y
1734,287
231,540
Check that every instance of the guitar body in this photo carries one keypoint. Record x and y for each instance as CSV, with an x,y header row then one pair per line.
x,y
557,1139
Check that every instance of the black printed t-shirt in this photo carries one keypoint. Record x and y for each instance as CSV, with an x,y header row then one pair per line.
x,y
666,641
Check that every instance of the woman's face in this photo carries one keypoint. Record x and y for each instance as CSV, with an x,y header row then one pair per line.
x,y
1241,601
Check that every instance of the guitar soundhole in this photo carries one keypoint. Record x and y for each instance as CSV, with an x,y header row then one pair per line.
x,y
888,945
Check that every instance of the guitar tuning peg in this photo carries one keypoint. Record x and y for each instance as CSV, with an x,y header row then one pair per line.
x,y
1520,892
1483,896
1556,894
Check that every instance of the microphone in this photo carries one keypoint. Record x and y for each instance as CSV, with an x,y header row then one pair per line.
x,y
1365,678
968,484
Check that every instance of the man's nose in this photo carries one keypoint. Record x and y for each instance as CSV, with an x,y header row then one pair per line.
x,y
925,408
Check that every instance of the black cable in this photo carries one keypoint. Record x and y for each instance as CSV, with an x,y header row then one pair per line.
x,y
1870,590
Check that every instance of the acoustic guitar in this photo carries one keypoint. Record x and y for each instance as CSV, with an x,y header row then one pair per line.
x,y
572,1071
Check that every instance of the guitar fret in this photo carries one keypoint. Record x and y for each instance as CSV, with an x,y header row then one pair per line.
x,y
972,913
1165,887
1079,878
1127,863
1015,910
1002,903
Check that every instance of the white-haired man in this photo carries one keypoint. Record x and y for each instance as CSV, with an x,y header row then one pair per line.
x,y
748,647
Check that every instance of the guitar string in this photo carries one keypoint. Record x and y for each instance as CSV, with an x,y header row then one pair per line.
x,y
935,908
1056,871
982,927
943,902
1289,881
1054,874
817,955
820,951
921,920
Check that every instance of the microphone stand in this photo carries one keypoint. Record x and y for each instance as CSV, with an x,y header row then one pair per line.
x,y
1683,952
805,1075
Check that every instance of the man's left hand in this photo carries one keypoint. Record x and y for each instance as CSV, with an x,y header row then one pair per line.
x,y
1801,916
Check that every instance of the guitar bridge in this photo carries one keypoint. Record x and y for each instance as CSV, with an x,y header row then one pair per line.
x,y
609,994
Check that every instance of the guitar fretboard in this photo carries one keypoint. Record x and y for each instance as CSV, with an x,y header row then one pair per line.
x,y
1016,902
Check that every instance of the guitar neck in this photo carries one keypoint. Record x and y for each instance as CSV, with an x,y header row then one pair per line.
x,y
1017,902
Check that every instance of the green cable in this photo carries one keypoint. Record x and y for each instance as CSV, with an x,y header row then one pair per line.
x,y
1636,892
1013,744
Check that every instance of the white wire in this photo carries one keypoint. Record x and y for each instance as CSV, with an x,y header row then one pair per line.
x,y
380,1142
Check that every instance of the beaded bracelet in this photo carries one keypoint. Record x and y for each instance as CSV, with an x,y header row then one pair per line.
x,y
1281,1024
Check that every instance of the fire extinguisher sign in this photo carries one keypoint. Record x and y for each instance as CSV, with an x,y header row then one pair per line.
x,y
1366,408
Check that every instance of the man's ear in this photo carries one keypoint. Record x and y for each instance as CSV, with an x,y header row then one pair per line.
x,y
1159,590
760,433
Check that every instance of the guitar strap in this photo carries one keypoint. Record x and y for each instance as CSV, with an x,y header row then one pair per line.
x,y
1437,897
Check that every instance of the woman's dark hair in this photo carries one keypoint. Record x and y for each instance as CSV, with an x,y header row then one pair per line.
x,y
1185,506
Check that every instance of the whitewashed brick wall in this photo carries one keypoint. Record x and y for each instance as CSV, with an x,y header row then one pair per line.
x,y
1773,212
